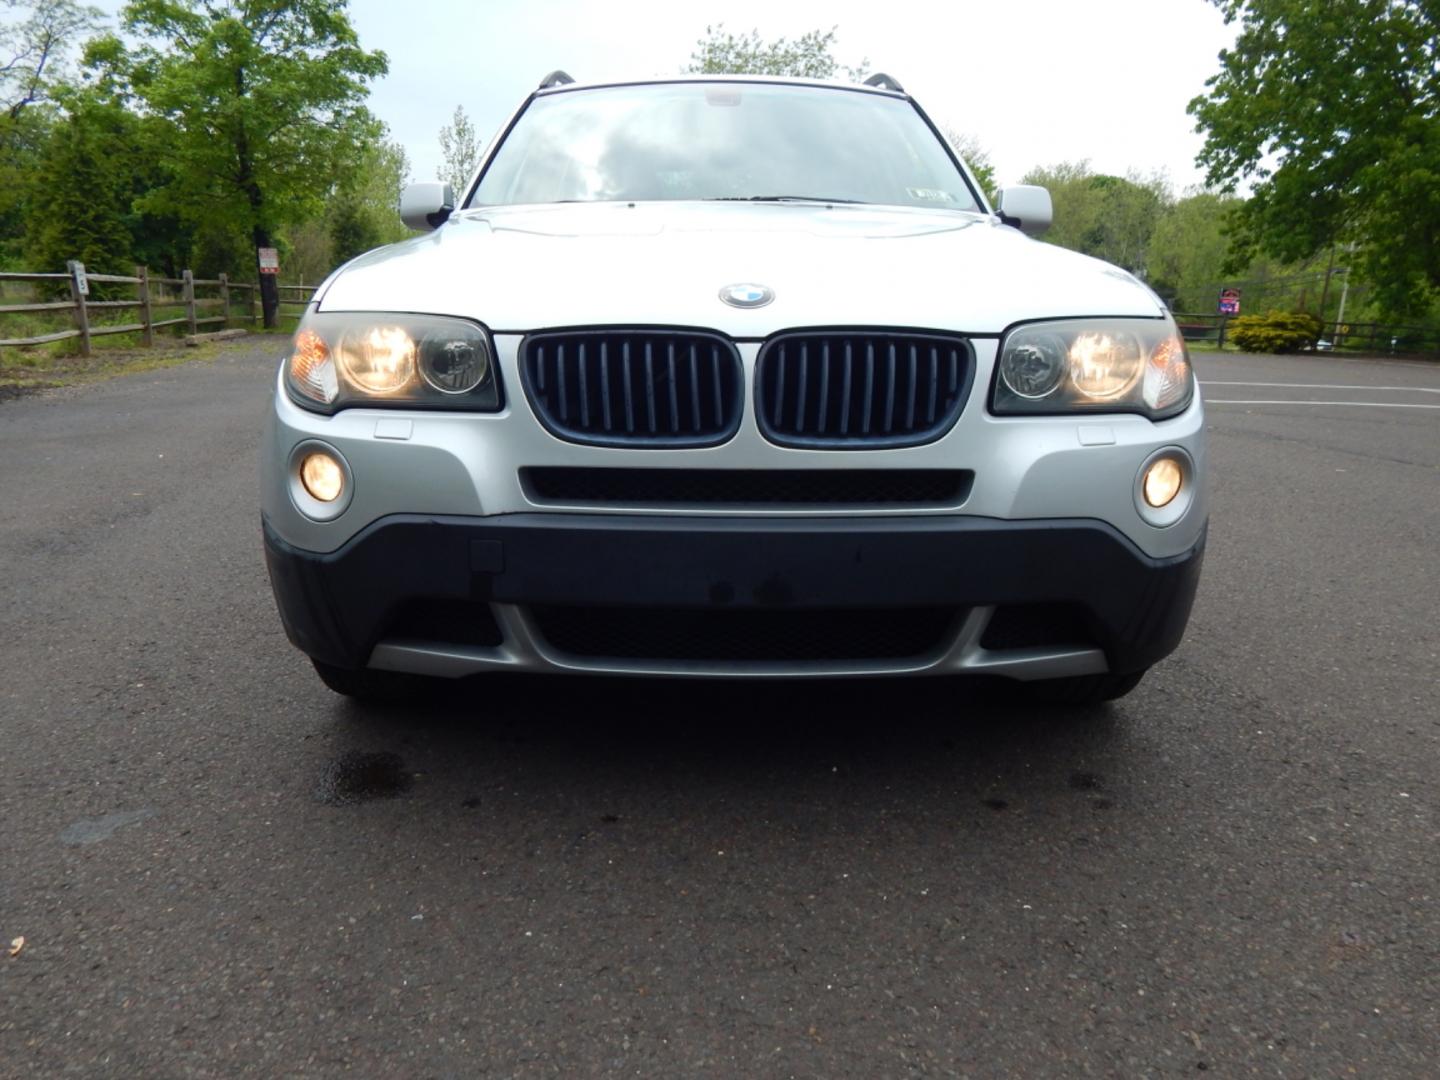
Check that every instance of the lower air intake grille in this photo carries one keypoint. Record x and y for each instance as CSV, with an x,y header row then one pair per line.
x,y
745,635
860,389
1031,626
454,622
748,487
634,388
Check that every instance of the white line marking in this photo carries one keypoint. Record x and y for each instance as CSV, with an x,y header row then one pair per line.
x,y
1321,386
1358,404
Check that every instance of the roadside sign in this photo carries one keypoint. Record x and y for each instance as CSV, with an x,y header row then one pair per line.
x,y
269,261
82,283
1229,301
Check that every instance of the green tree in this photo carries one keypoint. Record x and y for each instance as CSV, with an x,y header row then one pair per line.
x,y
360,213
1110,217
1187,257
92,169
460,149
265,104
37,39
976,156
365,211
808,56
352,232
212,248
1330,110
306,251
34,50
83,190
23,141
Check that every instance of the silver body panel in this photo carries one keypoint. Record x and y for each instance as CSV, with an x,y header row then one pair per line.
x,y
454,463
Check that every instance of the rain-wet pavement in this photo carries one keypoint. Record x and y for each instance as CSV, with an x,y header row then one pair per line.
x,y
221,869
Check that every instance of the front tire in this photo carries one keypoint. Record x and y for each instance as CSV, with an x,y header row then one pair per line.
x,y
366,684
1082,690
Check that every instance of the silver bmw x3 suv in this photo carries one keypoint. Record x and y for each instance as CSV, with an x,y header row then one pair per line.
x,y
732,377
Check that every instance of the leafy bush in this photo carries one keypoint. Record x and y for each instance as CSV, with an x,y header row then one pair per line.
x,y
1276,331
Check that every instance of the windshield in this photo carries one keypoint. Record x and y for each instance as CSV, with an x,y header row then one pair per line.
x,y
730,140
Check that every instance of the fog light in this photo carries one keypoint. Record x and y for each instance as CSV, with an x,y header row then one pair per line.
x,y
325,480
1162,481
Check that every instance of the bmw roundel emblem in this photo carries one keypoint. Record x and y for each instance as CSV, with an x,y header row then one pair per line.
x,y
746,295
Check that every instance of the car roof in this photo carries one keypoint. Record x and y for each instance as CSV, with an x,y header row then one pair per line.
x,y
776,80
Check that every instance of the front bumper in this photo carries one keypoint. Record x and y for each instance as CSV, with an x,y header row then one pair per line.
x,y
1030,599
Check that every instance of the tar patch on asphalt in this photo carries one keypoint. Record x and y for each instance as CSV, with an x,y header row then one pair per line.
x,y
355,777
1085,781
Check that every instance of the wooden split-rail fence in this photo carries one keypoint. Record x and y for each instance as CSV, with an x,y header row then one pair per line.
x,y
230,301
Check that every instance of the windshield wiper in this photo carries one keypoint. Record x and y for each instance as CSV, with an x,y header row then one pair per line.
x,y
781,199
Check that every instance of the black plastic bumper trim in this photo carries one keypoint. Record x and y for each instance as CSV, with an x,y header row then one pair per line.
x,y
336,605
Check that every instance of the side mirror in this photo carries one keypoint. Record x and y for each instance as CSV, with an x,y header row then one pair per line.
x,y
1026,207
426,205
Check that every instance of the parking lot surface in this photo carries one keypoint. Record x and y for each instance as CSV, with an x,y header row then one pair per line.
x,y
220,869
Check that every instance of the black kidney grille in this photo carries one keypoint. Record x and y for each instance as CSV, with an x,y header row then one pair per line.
x,y
860,388
634,387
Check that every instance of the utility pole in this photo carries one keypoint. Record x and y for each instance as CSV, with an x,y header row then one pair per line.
x,y
1344,292
1344,288
1325,292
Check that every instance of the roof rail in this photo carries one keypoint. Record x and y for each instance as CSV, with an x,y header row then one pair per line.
x,y
885,82
555,78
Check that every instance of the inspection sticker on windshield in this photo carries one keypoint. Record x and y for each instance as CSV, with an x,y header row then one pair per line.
x,y
927,194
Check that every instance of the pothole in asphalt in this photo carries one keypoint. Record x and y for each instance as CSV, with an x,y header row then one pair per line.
x,y
356,777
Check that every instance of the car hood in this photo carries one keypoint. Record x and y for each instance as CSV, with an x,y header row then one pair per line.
x,y
524,268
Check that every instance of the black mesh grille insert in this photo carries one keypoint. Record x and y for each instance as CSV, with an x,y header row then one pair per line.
x,y
749,487
452,622
860,389
1029,626
626,387
647,633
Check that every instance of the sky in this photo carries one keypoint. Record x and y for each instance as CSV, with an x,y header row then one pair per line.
x,y
1036,82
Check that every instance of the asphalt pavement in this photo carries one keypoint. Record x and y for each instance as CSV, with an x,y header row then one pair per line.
x,y
221,869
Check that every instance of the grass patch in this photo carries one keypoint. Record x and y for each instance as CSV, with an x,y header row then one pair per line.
x,y
24,371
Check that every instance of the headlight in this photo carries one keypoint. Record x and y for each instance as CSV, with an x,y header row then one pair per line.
x,y
1094,365
339,360
378,359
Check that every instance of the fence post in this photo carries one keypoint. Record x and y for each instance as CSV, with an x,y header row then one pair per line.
x,y
82,317
225,297
189,279
250,305
142,293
